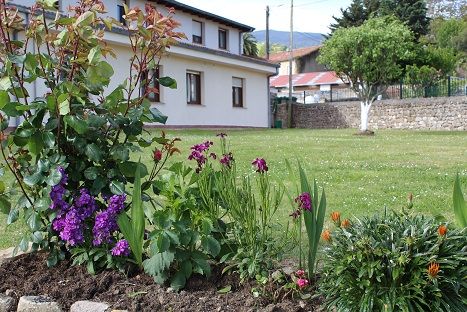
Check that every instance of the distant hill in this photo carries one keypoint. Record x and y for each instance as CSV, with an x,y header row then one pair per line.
x,y
301,39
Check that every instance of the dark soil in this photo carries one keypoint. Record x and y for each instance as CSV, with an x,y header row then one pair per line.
x,y
29,275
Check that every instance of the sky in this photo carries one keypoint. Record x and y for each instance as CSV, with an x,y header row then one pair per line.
x,y
309,15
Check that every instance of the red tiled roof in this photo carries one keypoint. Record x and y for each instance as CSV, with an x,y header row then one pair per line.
x,y
284,56
306,79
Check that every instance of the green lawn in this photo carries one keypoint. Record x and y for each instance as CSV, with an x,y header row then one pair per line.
x,y
361,175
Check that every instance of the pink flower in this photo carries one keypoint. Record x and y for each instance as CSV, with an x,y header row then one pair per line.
x,y
300,273
304,201
302,282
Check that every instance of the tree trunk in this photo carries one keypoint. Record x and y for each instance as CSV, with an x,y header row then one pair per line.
x,y
364,112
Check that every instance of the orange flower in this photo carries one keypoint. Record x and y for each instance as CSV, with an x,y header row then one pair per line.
x,y
433,269
442,230
345,223
336,216
326,235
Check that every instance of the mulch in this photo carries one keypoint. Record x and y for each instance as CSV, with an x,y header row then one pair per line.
x,y
29,275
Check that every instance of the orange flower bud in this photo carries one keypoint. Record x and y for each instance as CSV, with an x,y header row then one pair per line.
x,y
326,235
345,223
433,270
336,216
442,230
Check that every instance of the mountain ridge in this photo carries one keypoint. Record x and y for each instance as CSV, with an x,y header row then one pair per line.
x,y
301,39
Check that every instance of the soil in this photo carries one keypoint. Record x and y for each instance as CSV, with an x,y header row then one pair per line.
x,y
29,275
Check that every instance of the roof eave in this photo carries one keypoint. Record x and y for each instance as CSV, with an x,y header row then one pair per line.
x,y
195,11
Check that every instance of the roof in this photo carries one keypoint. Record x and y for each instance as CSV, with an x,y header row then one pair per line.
x,y
306,79
204,14
284,56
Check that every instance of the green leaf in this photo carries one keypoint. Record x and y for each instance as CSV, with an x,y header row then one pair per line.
x,y
158,263
10,109
120,153
33,179
33,221
211,245
94,55
84,19
168,82
5,205
49,139
24,244
225,290
91,173
12,216
157,116
75,122
129,169
5,83
137,218
4,98
460,206
42,204
117,187
54,178
94,152
63,104
178,281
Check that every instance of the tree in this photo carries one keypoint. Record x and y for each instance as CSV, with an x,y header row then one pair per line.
x,y
411,12
368,56
250,47
447,8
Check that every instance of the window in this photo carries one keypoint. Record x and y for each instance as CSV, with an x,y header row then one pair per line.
x,y
222,39
150,87
237,92
197,32
193,87
121,11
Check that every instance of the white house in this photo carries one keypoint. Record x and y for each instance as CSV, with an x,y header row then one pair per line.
x,y
217,85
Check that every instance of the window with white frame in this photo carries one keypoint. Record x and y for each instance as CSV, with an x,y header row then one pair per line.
x,y
197,32
237,91
150,87
193,87
121,10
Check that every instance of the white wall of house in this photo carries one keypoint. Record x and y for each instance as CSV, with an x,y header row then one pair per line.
x,y
217,70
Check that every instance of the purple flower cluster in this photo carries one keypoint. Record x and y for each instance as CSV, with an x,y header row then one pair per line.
x,y
304,203
198,153
227,160
70,220
106,221
122,248
260,164
58,192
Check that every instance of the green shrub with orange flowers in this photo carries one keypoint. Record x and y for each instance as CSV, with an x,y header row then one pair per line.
x,y
394,262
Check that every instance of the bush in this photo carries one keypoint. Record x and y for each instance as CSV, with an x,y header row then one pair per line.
x,y
395,262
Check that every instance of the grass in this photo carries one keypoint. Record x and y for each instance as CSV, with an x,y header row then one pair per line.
x,y
361,175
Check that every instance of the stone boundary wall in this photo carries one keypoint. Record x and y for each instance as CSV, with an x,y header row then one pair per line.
x,y
444,113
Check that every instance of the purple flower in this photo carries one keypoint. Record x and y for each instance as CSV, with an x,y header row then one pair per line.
x,y
227,160
304,201
122,248
199,152
58,192
260,164
106,221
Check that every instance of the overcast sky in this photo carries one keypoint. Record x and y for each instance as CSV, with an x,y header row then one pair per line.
x,y
309,15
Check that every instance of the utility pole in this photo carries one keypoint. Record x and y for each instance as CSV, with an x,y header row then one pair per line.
x,y
289,110
267,32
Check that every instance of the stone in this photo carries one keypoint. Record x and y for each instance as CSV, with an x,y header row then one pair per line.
x,y
6,303
288,270
89,306
37,304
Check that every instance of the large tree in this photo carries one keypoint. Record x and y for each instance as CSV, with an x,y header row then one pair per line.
x,y
250,47
369,57
412,12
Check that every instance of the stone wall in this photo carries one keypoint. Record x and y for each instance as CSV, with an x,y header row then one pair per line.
x,y
447,113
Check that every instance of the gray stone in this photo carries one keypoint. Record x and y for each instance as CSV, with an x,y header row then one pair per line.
x,y
37,304
89,306
288,270
6,303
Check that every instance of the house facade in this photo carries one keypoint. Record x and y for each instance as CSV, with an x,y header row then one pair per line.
x,y
217,85
303,61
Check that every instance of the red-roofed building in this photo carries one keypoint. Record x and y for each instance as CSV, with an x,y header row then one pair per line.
x,y
304,61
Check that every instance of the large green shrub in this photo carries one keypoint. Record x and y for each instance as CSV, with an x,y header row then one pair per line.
x,y
72,150
395,262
